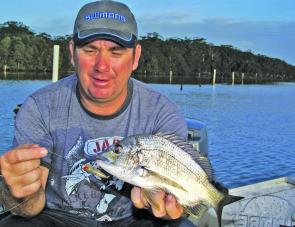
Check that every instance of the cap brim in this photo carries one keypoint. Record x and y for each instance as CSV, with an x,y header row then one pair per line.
x,y
124,39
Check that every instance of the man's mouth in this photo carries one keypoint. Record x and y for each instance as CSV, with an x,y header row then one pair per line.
x,y
100,82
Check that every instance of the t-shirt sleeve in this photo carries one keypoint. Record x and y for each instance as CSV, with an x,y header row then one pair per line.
x,y
170,119
31,127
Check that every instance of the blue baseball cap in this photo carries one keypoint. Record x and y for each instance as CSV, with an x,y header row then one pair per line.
x,y
105,19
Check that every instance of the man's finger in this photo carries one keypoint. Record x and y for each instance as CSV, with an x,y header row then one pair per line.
x,y
173,208
24,167
144,200
158,204
19,180
136,197
24,154
21,192
30,145
29,177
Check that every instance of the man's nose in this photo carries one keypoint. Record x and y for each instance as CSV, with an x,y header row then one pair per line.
x,y
102,63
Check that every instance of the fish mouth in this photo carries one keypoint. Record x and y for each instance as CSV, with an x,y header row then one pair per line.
x,y
104,158
105,167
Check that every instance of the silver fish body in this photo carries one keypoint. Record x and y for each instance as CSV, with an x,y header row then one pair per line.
x,y
166,162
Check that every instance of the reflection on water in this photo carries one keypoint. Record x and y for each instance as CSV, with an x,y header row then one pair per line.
x,y
251,127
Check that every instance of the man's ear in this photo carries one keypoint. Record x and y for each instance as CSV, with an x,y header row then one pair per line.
x,y
72,52
136,57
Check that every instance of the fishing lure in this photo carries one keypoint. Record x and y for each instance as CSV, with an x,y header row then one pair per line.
x,y
90,169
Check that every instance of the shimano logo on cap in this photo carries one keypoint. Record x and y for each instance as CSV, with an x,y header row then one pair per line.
x,y
105,15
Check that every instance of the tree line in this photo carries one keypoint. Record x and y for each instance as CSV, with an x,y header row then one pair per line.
x,y
22,50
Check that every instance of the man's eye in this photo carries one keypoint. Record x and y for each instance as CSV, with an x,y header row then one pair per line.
x,y
117,52
89,51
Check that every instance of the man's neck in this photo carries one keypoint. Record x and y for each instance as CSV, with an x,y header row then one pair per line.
x,y
103,107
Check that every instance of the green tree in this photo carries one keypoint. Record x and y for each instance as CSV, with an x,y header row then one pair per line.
x,y
5,44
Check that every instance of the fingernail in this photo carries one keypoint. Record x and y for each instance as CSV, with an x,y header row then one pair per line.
x,y
43,151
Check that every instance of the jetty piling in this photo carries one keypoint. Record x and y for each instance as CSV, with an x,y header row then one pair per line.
x,y
214,77
233,78
171,75
55,63
5,71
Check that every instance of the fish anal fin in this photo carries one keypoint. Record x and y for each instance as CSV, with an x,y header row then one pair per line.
x,y
196,211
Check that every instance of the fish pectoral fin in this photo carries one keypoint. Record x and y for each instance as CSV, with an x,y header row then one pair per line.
x,y
149,195
165,179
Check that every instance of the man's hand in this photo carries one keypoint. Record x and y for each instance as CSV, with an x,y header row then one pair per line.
x,y
165,205
21,169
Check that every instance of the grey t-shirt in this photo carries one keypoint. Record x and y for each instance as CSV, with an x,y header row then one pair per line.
x,y
53,117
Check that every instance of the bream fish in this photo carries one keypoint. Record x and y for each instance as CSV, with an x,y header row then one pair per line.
x,y
166,162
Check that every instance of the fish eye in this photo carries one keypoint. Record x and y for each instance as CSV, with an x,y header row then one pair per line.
x,y
118,148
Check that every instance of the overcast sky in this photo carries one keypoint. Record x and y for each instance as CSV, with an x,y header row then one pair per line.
x,y
263,26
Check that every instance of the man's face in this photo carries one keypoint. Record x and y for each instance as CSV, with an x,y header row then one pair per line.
x,y
103,68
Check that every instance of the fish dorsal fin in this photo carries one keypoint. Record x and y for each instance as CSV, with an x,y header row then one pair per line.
x,y
199,157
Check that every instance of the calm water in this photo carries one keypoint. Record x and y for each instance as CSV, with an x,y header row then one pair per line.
x,y
251,127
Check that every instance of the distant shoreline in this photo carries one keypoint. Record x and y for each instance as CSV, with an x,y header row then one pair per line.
x,y
201,79
172,60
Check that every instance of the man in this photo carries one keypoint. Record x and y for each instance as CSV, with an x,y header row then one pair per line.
x,y
68,124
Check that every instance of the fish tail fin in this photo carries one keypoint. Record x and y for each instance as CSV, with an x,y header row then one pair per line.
x,y
227,199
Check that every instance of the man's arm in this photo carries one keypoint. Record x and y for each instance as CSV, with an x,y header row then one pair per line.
x,y
23,186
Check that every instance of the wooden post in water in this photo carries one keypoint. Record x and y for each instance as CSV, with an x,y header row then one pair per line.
x,y
4,68
55,63
233,78
171,74
214,77
243,75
